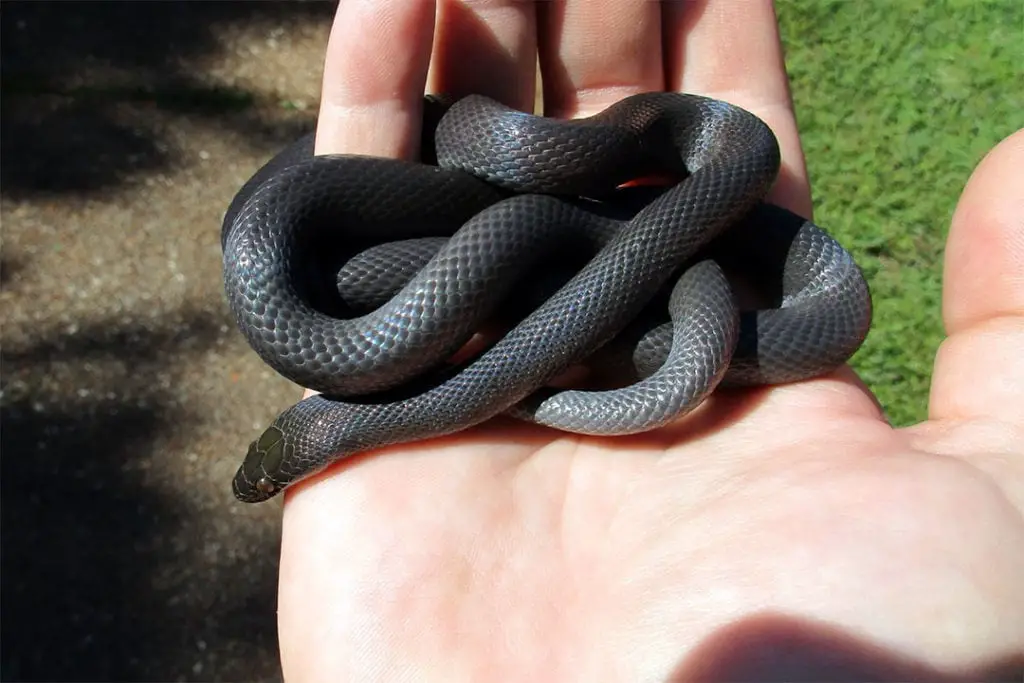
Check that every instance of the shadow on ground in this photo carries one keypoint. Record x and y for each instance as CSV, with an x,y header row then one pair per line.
x,y
69,68
115,565
98,577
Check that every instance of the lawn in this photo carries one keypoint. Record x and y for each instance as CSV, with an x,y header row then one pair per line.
x,y
897,103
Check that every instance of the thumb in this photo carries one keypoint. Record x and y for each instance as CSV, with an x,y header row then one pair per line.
x,y
979,370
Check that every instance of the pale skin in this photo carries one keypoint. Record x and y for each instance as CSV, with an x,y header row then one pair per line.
x,y
774,533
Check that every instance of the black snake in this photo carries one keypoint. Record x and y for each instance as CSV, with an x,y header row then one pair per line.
x,y
359,277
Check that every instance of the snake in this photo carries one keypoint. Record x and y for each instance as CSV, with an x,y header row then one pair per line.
x,y
362,277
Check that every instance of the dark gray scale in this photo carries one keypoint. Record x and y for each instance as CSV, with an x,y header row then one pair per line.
x,y
359,277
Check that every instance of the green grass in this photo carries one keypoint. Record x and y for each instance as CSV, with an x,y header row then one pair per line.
x,y
897,102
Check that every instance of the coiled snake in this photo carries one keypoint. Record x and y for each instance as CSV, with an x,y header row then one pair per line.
x,y
359,277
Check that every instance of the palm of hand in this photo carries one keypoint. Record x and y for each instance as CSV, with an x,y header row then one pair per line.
x,y
789,519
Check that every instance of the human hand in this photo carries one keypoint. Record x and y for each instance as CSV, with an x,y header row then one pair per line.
x,y
781,533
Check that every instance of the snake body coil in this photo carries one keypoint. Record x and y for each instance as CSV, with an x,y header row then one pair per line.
x,y
359,277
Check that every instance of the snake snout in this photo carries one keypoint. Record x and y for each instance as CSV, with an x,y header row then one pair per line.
x,y
252,492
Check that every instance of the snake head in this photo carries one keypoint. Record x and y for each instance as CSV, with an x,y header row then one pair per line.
x,y
259,478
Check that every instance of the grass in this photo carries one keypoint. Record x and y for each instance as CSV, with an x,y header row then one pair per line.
x,y
897,103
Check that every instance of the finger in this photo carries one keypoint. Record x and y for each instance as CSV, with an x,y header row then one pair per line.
x,y
371,97
731,50
979,370
486,47
371,103
595,52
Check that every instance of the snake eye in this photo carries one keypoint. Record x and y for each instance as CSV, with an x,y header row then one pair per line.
x,y
265,486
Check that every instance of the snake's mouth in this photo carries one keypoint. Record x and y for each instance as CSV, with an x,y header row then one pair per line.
x,y
253,491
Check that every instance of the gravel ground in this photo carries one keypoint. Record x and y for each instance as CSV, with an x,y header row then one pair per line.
x,y
128,396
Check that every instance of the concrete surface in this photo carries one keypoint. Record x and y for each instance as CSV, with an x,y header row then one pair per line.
x,y
128,396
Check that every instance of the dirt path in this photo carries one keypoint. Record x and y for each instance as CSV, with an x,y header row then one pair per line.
x,y
128,396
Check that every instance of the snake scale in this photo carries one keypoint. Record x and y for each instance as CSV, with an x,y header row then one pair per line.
x,y
360,277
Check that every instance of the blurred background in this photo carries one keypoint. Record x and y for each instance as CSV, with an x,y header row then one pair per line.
x,y
127,394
